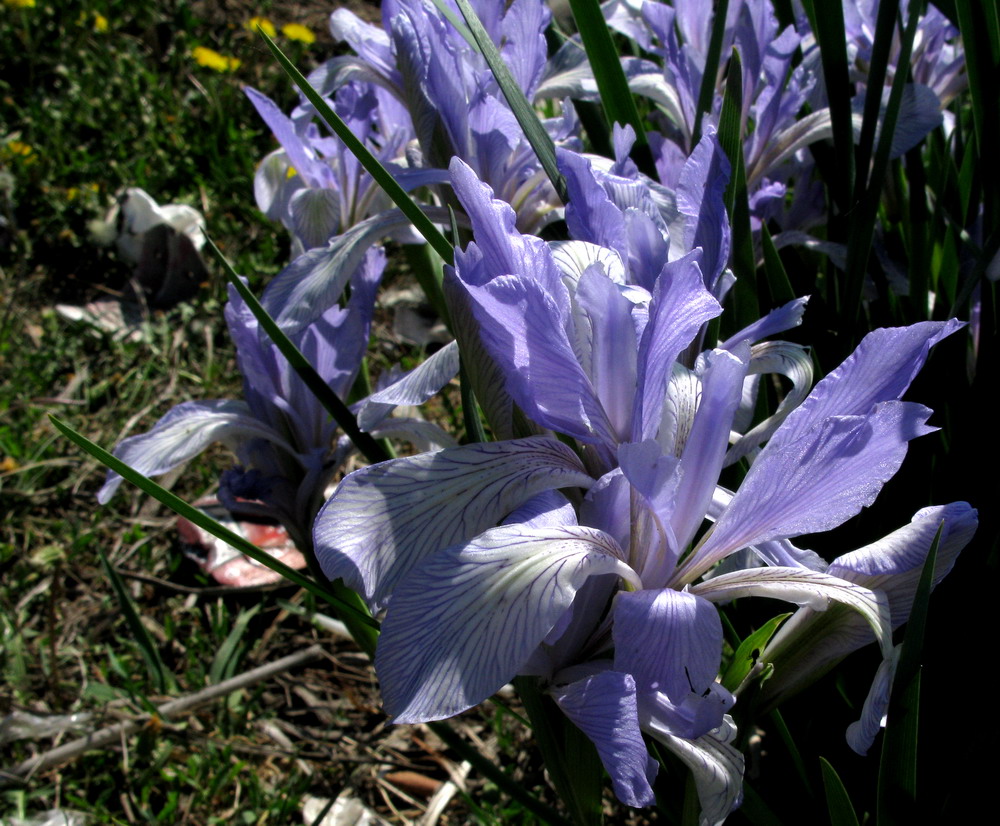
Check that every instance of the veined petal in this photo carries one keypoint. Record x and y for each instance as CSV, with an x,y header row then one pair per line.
x,y
782,358
603,707
185,432
701,461
521,326
717,768
680,306
413,388
814,483
894,563
314,281
671,642
699,199
777,321
812,589
880,369
382,520
467,619
809,644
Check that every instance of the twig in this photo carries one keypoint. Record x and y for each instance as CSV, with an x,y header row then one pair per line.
x,y
174,708
442,797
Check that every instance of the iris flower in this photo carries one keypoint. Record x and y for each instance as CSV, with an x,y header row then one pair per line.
x,y
587,567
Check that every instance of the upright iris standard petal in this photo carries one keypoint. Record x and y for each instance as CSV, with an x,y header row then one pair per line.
x,y
604,707
467,619
519,322
382,520
680,306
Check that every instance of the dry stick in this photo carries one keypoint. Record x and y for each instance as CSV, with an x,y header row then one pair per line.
x,y
174,708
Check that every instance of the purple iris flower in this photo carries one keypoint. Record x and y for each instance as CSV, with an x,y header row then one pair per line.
x,y
587,568
452,102
285,442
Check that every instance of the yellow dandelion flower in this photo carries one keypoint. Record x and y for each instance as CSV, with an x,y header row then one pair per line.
x,y
296,31
211,59
20,4
100,22
265,25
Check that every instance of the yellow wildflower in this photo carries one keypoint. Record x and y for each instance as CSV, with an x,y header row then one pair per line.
x,y
17,149
211,59
100,22
296,31
20,4
266,26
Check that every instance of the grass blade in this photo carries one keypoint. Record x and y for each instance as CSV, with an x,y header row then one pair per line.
x,y
827,20
862,226
158,672
749,650
228,656
526,116
838,802
400,198
742,257
706,93
331,402
616,97
202,520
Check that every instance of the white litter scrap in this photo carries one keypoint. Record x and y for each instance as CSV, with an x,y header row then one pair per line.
x,y
346,810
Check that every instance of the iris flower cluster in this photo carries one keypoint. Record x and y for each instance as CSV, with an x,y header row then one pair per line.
x,y
590,544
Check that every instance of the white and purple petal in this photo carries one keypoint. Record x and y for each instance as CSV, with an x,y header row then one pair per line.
x,y
185,432
384,519
467,619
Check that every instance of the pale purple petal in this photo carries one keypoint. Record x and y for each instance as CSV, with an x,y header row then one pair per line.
x,y
814,483
485,374
549,509
671,642
590,214
699,199
894,563
777,321
705,449
861,734
466,619
782,358
314,281
382,520
520,324
185,432
811,589
303,158
604,708
413,388
680,306
611,358
423,435
880,369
